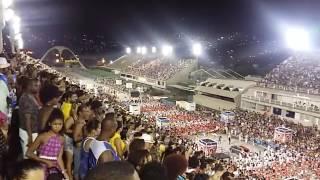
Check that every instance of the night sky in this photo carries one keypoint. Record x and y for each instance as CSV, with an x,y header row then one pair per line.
x,y
151,20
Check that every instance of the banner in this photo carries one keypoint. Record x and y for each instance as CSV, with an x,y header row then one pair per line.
x,y
282,134
129,85
209,146
119,82
134,109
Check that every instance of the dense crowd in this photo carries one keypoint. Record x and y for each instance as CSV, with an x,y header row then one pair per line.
x,y
303,149
296,72
181,123
157,68
52,128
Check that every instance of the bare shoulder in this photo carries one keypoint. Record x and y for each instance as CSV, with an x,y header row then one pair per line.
x,y
61,138
70,119
43,137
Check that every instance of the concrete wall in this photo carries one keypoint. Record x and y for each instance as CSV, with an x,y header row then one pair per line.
x,y
213,103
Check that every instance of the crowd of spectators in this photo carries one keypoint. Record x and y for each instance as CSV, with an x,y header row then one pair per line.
x,y
67,132
157,68
296,73
182,123
259,128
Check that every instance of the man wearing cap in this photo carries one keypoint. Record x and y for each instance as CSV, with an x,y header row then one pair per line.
x,y
148,139
4,90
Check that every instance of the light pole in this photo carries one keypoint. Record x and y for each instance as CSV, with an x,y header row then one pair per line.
x,y
8,15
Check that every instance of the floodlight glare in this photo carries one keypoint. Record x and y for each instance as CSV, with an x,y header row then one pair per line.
x,y
154,49
7,3
197,49
298,39
143,50
138,50
111,62
167,50
16,24
57,60
103,60
128,50
8,14
18,36
20,44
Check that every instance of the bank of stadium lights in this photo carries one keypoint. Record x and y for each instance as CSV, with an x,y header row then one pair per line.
x,y
197,49
167,50
153,49
144,50
128,50
298,39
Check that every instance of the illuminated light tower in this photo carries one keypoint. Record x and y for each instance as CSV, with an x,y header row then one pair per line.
x,y
138,50
144,50
298,39
128,50
197,49
7,3
153,49
6,16
167,50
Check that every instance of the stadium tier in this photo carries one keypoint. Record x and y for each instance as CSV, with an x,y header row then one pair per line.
x,y
297,73
154,70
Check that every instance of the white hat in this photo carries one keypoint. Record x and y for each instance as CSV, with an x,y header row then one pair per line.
x,y
3,63
147,138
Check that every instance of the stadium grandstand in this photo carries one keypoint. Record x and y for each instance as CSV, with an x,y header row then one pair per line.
x,y
291,91
299,73
153,70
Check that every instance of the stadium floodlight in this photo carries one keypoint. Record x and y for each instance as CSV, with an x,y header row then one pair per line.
x,y
128,50
20,44
16,24
167,50
154,49
144,50
8,14
197,49
298,39
7,3
18,36
138,50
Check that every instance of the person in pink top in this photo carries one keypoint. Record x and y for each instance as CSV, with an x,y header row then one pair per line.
x,y
49,145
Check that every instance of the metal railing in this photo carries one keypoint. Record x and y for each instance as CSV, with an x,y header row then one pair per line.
x,y
281,103
291,89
